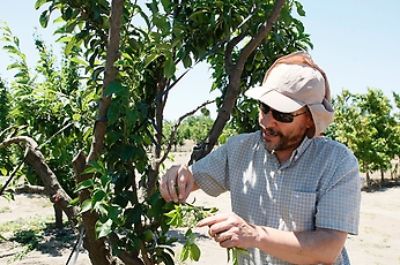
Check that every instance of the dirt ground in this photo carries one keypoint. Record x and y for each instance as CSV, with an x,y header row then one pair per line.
x,y
378,242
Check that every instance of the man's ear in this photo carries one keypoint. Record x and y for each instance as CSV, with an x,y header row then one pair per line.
x,y
310,132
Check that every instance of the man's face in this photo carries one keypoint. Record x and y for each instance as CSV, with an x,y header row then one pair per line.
x,y
283,136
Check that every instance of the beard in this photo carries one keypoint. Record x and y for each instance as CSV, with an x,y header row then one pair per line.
x,y
280,141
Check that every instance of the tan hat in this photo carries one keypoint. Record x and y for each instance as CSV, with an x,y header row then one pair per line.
x,y
295,81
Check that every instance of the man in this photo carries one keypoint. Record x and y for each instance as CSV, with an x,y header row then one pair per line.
x,y
295,195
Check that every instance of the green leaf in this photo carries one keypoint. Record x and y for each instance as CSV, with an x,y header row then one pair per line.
x,y
105,180
150,59
98,196
11,49
3,171
166,5
185,253
98,166
74,201
14,66
39,3
85,184
79,61
86,206
103,229
44,18
187,61
300,9
76,117
133,215
89,170
71,44
194,252
113,212
114,87
148,235
169,68
166,258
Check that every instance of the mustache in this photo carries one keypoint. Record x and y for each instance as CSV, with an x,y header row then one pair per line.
x,y
272,132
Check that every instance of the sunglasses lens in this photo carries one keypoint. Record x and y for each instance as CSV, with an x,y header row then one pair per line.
x,y
282,117
279,116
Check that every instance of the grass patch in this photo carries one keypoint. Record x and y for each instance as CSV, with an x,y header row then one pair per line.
x,y
35,224
38,233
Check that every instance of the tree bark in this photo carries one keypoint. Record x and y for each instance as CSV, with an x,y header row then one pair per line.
x,y
235,71
59,217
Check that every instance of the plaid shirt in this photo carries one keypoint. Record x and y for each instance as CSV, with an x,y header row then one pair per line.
x,y
319,186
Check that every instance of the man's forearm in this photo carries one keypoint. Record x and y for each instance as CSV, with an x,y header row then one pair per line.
x,y
309,247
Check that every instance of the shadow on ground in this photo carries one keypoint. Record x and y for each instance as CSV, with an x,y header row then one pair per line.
x,y
50,240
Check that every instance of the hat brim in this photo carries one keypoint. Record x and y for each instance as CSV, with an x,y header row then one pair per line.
x,y
274,99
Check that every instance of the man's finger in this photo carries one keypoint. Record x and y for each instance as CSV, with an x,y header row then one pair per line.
x,y
222,237
188,190
182,182
164,191
172,188
219,227
165,183
208,221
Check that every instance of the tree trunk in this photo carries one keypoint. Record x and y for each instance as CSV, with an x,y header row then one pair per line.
x,y
59,217
99,251
368,181
382,177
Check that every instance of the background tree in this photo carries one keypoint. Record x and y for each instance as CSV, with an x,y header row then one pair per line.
x,y
376,107
365,123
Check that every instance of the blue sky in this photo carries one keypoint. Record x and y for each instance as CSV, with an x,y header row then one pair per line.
x,y
356,42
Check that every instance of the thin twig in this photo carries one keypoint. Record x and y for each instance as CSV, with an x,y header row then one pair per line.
x,y
14,172
175,129
54,135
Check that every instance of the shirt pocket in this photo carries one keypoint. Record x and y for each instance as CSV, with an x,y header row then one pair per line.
x,y
301,212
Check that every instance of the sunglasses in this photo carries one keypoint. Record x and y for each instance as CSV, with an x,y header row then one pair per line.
x,y
279,116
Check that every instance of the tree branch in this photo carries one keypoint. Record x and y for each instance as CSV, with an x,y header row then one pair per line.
x,y
28,188
233,88
53,189
229,50
175,129
262,33
109,76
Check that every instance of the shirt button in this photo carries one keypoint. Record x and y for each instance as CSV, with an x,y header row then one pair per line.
x,y
279,172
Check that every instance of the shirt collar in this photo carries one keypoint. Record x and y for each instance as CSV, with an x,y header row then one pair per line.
x,y
300,149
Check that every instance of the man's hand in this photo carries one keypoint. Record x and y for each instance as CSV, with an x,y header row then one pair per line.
x,y
229,230
177,184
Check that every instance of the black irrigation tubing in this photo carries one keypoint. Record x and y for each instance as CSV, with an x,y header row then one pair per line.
x,y
76,247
